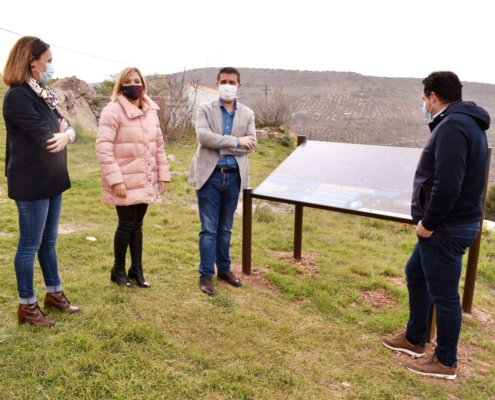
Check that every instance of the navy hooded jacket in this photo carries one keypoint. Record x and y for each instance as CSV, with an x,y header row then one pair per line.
x,y
450,177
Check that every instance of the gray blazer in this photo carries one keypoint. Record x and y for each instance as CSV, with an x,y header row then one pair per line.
x,y
206,158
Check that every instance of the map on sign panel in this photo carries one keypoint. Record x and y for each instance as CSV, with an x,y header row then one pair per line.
x,y
369,179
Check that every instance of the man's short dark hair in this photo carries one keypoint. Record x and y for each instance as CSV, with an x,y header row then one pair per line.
x,y
445,84
229,70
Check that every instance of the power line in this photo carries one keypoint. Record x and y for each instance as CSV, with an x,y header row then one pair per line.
x,y
97,57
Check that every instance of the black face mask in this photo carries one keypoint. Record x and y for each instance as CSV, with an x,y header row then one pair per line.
x,y
132,92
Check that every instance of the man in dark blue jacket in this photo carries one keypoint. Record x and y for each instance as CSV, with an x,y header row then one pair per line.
x,y
447,208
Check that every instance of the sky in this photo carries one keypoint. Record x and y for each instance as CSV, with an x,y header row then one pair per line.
x,y
95,39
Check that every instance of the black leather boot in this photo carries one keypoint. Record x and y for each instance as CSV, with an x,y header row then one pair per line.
x,y
136,273
120,244
119,277
136,248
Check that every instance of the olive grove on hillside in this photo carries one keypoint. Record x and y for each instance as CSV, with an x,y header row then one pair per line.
x,y
274,109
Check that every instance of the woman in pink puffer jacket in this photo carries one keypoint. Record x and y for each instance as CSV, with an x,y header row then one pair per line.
x,y
134,168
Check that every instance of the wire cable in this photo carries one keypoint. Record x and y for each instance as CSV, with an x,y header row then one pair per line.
x,y
97,57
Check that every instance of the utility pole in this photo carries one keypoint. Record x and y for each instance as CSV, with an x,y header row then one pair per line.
x,y
266,90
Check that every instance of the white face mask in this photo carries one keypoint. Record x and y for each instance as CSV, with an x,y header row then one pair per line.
x,y
426,113
227,92
48,74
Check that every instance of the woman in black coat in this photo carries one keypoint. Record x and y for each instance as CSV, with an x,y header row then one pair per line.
x,y
36,170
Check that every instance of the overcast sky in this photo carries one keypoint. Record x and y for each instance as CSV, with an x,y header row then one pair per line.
x,y
390,38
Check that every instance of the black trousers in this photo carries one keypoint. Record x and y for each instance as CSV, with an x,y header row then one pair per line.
x,y
129,233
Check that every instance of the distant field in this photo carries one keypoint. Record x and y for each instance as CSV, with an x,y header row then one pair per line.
x,y
352,108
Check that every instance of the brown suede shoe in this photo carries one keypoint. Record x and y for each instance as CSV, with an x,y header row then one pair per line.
x,y
58,300
400,343
230,278
206,286
32,313
430,366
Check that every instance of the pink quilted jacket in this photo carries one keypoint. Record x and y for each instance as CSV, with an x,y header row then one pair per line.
x,y
130,150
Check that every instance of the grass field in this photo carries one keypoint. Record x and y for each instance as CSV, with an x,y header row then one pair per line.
x,y
306,330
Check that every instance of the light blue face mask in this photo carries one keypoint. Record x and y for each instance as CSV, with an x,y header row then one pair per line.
x,y
48,74
426,113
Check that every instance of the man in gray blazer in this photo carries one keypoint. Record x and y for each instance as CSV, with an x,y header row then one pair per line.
x,y
226,135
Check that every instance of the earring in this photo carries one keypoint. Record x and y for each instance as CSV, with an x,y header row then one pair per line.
x,y
33,67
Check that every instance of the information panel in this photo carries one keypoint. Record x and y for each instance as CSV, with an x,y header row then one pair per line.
x,y
370,179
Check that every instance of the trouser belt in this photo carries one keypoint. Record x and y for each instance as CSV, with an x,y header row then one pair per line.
x,y
225,170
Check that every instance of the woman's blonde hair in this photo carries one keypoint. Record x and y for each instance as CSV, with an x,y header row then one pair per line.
x,y
18,66
121,79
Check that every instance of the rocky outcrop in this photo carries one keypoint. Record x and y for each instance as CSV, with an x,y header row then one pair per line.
x,y
74,97
262,134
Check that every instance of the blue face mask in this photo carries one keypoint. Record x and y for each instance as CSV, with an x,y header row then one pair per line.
x,y
426,113
48,74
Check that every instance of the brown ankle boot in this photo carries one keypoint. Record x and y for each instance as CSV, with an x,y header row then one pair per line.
x,y
32,313
58,300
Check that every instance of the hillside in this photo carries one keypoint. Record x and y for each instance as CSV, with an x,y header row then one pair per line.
x,y
352,108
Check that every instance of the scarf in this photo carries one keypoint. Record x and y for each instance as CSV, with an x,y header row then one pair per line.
x,y
44,92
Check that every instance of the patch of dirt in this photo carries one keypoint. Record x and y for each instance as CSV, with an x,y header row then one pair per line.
x,y
305,356
399,282
192,206
178,335
296,303
307,261
257,278
483,318
179,173
66,229
272,207
379,298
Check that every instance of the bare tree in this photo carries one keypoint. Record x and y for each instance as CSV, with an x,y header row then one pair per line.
x,y
274,109
182,103
157,84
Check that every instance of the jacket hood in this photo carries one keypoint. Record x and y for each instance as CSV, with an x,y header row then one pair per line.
x,y
470,108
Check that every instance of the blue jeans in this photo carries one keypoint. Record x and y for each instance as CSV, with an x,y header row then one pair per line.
x,y
433,273
38,226
217,202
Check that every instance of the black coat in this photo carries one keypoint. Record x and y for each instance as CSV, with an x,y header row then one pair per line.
x,y
32,172
451,173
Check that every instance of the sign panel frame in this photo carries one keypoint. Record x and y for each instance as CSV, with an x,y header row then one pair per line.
x,y
248,195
